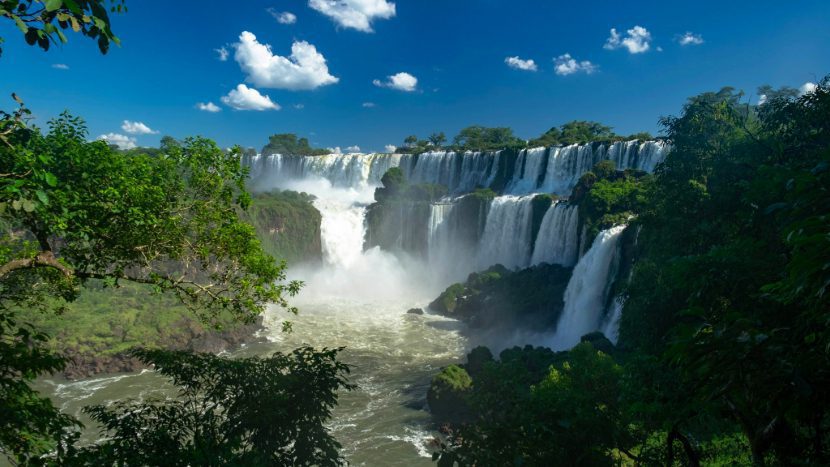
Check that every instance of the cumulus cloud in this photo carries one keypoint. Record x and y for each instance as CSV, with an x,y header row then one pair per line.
x,y
519,64
690,38
354,14
637,40
122,141
222,53
245,98
368,105
354,148
282,17
208,107
566,65
401,81
390,148
304,69
60,66
335,150
137,128
762,99
807,88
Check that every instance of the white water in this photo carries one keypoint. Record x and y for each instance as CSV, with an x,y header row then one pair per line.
x,y
558,239
558,168
587,290
611,328
506,238
530,165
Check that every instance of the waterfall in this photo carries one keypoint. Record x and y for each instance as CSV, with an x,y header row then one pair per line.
x,y
558,239
587,291
459,172
342,170
341,230
611,328
507,233
528,169
538,170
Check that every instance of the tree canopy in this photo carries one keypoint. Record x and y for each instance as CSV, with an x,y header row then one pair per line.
x,y
288,143
43,22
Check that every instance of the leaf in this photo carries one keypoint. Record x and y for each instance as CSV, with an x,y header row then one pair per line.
x,y
41,195
52,5
51,179
29,205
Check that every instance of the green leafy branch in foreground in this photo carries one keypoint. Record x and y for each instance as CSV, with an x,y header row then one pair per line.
x,y
251,411
43,22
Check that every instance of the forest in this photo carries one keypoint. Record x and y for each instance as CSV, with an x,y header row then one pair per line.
x,y
167,258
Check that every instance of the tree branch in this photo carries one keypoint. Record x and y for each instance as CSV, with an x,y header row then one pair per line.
x,y
43,259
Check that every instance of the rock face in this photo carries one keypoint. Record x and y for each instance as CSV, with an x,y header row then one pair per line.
x,y
530,298
415,311
288,225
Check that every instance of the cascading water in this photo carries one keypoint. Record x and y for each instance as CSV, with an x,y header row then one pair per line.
x,y
507,233
540,170
587,290
530,166
611,328
558,239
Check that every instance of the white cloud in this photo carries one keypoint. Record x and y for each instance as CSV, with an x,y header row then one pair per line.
x,y
807,88
401,81
519,64
282,17
637,40
245,98
304,69
137,128
355,14
122,141
368,105
390,148
690,38
762,99
60,66
566,65
208,107
354,148
222,53
335,150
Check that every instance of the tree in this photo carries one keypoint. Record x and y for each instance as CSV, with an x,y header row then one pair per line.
x,y
43,22
251,411
78,211
479,138
288,143
410,141
437,139
575,132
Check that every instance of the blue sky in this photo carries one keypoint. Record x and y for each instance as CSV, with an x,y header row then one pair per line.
x,y
456,49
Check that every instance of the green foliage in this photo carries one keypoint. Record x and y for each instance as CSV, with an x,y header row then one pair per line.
x,y
43,22
536,407
79,213
252,411
287,224
288,143
575,132
479,138
729,285
607,197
